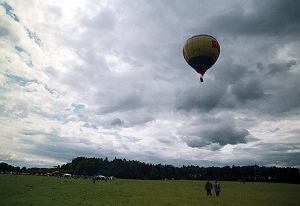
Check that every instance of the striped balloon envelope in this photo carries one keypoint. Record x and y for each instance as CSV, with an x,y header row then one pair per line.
x,y
201,52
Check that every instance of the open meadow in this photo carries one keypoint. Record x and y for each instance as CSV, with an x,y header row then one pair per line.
x,y
40,190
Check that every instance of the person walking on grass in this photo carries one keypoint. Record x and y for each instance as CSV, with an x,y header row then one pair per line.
x,y
217,188
208,188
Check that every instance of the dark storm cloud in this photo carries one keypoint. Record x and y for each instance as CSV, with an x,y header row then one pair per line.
x,y
280,83
121,103
116,122
226,134
139,119
261,88
230,73
206,97
221,135
248,89
265,18
229,90
280,68
264,88
216,133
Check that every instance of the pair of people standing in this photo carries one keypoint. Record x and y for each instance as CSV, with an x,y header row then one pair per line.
x,y
209,187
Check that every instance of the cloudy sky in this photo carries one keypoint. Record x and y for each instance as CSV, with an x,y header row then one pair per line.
x,y
107,79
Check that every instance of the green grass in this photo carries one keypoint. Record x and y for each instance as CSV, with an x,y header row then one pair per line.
x,y
36,190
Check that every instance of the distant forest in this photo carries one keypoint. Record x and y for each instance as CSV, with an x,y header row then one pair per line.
x,y
130,169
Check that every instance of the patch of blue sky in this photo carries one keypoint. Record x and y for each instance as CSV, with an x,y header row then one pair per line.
x,y
76,108
33,36
20,49
9,11
29,63
22,81
132,139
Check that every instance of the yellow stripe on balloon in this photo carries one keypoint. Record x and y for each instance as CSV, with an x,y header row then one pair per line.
x,y
201,45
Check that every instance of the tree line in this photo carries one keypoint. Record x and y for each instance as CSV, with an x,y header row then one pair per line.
x,y
131,169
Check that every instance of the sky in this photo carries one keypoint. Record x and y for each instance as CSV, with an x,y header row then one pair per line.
x,y
107,79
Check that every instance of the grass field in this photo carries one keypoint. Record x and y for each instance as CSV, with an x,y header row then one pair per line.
x,y
37,190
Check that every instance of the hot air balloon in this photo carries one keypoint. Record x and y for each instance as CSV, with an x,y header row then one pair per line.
x,y
201,52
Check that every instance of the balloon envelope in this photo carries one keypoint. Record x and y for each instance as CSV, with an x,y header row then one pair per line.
x,y
201,52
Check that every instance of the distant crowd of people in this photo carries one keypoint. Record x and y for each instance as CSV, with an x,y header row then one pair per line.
x,y
209,187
